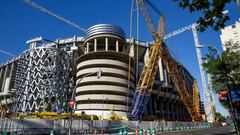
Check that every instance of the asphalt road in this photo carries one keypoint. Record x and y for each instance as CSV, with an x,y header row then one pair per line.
x,y
228,130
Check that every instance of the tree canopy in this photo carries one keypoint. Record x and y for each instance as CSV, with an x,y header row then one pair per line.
x,y
219,117
210,9
224,70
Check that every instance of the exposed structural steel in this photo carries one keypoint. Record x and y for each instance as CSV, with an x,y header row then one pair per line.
x,y
50,13
196,98
147,77
9,79
44,81
207,92
146,80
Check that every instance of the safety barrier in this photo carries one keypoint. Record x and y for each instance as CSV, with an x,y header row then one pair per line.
x,y
152,128
61,126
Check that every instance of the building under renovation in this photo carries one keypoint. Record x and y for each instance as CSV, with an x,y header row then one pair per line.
x,y
43,77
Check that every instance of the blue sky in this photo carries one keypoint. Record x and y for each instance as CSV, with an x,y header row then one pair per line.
x,y
20,23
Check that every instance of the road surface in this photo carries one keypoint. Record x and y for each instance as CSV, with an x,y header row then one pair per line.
x,y
227,130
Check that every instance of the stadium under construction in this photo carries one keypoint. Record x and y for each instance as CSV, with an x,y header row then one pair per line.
x,y
44,77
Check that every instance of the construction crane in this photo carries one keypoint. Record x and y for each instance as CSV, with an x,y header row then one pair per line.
x,y
207,100
7,53
147,77
54,15
145,84
192,27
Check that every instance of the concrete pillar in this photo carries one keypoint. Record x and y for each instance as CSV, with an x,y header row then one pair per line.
x,y
180,112
146,55
150,106
75,40
95,45
161,109
170,110
160,69
131,52
117,46
173,111
87,47
1,77
165,76
4,77
106,44
177,112
184,113
155,106
167,109
10,74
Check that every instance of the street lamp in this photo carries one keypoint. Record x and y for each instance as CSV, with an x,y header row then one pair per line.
x,y
99,74
225,74
201,46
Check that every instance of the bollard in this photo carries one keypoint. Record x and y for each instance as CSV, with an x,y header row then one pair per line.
x,y
120,132
102,132
52,132
161,129
125,131
177,128
148,131
136,131
95,131
5,133
144,132
140,131
153,131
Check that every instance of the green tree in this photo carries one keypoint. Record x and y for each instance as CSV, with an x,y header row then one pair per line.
x,y
224,70
219,117
210,9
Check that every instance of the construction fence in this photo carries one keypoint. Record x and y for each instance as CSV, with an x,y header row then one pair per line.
x,y
62,126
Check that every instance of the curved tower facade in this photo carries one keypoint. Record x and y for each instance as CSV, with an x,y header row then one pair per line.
x,y
104,48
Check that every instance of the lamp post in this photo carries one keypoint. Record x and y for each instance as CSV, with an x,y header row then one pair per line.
x,y
99,74
225,74
201,46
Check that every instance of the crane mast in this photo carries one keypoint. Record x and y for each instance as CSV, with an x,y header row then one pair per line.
x,y
147,77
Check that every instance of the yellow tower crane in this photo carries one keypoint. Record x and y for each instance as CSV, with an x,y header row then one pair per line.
x,y
145,84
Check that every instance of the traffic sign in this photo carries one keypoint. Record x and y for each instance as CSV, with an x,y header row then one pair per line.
x,y
71,102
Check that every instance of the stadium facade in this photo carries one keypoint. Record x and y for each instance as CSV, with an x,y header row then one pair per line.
x,y
43,77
